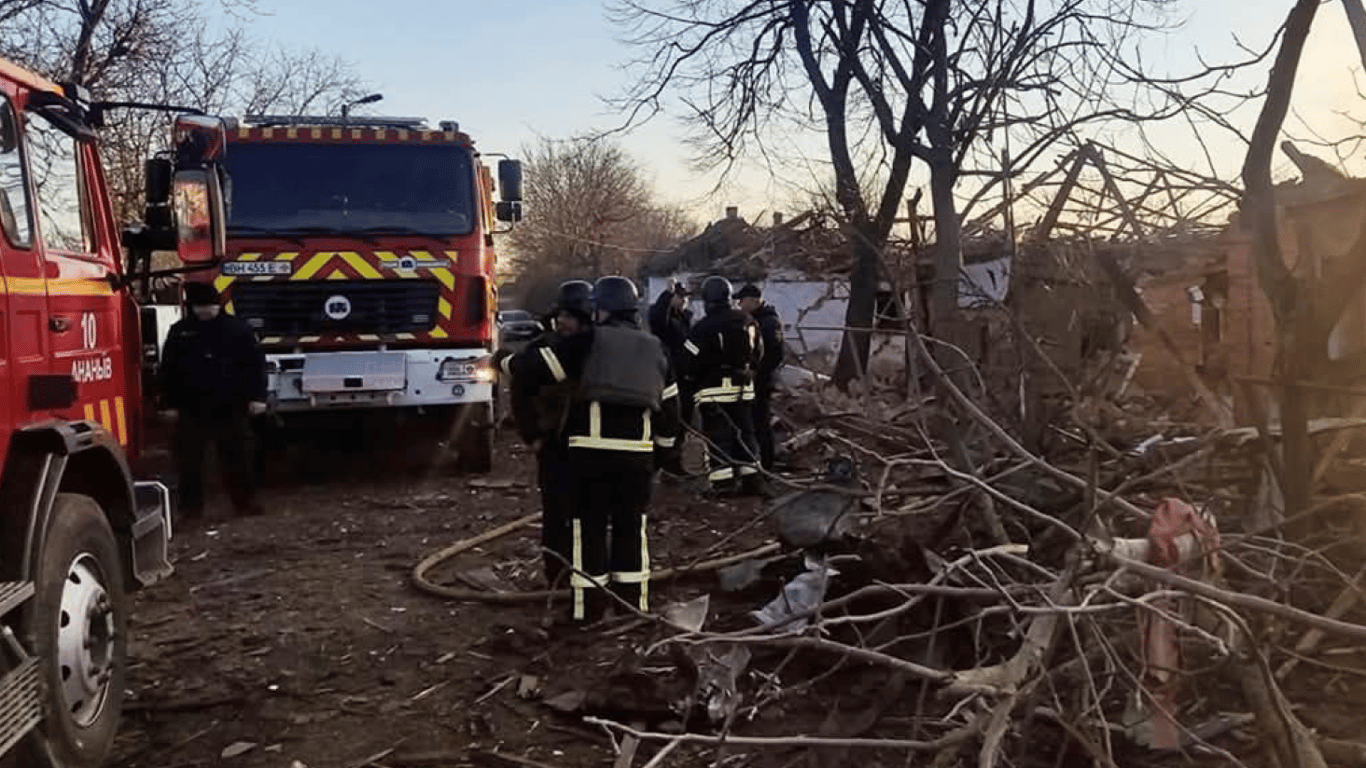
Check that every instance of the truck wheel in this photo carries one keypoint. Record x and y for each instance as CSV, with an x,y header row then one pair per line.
x,y
476,449
78,626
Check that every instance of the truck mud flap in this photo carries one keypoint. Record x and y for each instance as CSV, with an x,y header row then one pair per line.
x,y
151,533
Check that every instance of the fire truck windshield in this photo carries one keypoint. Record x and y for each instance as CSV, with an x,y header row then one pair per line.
x,y
293,188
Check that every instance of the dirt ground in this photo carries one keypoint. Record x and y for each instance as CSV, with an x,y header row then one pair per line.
x,y
297,639
300,634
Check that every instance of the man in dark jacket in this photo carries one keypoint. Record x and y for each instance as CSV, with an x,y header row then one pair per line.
x,y
623,414
540,414
771,332
719,359
670,320
213,380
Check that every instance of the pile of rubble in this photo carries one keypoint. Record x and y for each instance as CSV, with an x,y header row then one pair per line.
x,y
954,594
808,244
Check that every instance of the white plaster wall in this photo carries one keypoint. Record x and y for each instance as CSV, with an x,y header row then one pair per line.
x,y
813,316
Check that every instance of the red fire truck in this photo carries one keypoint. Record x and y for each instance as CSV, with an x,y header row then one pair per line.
x,y
77,532
362,252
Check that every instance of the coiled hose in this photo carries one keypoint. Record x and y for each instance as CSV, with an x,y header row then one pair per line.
x,y
423,584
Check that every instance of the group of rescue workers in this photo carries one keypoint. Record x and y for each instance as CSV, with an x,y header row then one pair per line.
x,y
606,404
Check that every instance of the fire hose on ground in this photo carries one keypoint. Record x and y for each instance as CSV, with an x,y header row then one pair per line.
x,y
423,584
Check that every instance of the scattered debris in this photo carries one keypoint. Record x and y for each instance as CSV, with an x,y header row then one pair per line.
x,y
789,611
690,615
529,687
237,749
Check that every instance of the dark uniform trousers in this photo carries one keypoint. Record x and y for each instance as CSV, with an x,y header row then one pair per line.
x,y
763,424
610,462
727,412
555,475
230,430
613,496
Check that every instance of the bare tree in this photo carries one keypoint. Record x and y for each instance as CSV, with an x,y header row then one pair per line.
x,y
930,82
592,211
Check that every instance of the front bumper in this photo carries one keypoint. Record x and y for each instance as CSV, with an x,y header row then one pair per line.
x,y
388,379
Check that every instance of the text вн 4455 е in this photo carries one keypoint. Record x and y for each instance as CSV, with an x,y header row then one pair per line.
x,y
257,268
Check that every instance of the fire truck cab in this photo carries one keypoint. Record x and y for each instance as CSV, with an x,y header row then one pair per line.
x,y
361,250
77,532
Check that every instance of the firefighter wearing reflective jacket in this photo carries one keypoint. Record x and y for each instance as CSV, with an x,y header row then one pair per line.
x,y
540,415
771,334
719,360
622,416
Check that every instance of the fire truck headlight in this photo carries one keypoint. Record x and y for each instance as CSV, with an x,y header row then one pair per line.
x,y
484,371
480,370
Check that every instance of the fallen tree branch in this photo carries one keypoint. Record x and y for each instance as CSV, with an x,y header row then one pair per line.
x,y
951,739
1243,600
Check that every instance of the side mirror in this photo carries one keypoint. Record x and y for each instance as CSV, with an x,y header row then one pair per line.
x,y
510,182
201,234
508,211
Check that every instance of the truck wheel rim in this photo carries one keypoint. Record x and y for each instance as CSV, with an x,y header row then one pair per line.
x,y
85,640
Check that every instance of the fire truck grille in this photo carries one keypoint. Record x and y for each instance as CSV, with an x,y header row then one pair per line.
x,y
302,308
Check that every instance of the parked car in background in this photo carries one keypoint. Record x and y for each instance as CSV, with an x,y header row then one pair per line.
x,y
518,325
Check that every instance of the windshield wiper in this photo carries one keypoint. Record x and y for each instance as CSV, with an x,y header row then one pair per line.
x,y
240,230
397,230
293,234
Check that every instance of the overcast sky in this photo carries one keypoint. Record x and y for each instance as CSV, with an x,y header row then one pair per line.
x,y
508,71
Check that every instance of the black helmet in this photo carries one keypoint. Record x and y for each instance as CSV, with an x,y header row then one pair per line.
x,y
716,290
575,297
615,295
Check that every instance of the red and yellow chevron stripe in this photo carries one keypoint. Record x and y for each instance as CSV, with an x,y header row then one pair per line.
x,y
356,265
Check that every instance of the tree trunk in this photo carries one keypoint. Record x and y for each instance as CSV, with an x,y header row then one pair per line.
x,y
1296,334
854,348
948,253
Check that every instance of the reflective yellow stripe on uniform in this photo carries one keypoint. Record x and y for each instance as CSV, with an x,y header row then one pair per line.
x,y
691,347
665,442
727,392
576,559
669,391
644,565
579,583
594,438
725,473
553,363
642,576
506,365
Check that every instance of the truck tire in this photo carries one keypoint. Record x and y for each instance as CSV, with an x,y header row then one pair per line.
x,y
78,626
476,449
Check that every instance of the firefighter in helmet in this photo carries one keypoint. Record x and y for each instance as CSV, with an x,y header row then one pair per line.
x,y
540,416
719,361
621,419
771,334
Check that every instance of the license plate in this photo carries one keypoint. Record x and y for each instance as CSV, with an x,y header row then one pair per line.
x,y
258,268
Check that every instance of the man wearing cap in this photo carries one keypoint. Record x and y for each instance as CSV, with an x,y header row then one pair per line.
x,y
213,380
771,331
